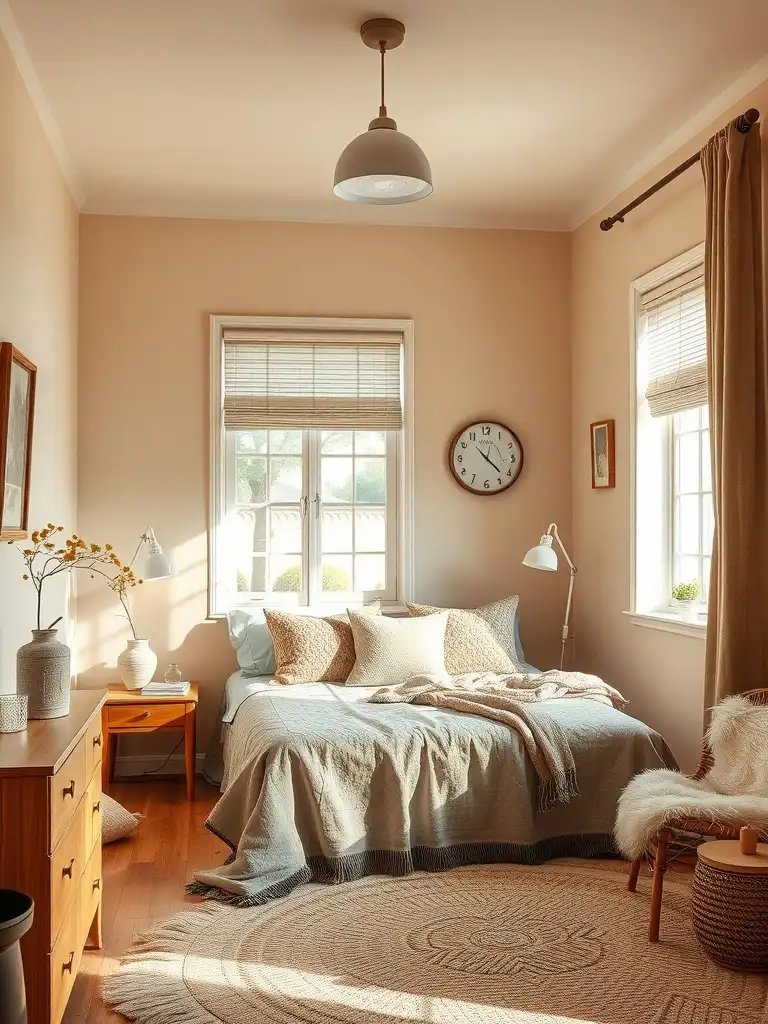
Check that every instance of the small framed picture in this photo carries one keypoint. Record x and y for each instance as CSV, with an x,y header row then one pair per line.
x,y
603,454
18,377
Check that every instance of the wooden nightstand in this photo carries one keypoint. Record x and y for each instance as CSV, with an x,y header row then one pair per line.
x,y
129,712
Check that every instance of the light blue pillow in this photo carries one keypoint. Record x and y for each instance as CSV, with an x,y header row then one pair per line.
x,y
519,649
252,641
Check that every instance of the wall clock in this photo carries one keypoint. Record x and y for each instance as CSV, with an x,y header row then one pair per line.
x,y
485,457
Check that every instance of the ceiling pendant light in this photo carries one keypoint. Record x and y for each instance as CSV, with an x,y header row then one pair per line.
x,y
382,166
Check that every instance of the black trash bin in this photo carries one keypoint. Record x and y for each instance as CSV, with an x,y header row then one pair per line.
x,y
16,913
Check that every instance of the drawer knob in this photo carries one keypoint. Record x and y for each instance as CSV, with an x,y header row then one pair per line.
x,y
145,714
70,963
97,883
97,740
97,807
70,789
68,871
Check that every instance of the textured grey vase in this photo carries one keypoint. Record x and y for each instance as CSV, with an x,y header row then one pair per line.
x,y
43,673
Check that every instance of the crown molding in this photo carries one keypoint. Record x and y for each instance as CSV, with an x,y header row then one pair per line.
x,y
13,37
700,121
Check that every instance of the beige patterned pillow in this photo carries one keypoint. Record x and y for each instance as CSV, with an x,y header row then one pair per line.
x,y
390,651
482,640
310,649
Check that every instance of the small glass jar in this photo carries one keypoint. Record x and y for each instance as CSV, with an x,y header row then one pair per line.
x,y
173,673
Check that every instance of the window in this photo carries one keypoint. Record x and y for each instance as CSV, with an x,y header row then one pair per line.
x,y
311,457
673,511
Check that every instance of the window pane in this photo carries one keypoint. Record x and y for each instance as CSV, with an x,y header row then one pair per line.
x,y
336,477
370,572
336,442
705,415
688,420
285,530
370,442
688,524
251,480
285,442
708,523
705,568
688,569
285,574
371,480
251,441
370,529
337,529
688,462
257,582
706,462
285,480
337,574
251,535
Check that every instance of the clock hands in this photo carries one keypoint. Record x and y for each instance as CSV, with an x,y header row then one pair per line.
x,y
487,459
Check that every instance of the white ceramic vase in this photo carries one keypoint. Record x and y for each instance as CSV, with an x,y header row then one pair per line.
x,y
689,610
137,664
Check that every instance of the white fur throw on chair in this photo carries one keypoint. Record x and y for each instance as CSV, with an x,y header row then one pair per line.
x,y
733,792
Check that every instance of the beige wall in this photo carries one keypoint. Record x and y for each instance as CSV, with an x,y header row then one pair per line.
x,y
38,313
661,673
491,339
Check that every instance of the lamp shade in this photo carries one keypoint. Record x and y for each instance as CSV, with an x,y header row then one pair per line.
x,y
382,167
542,556
156,566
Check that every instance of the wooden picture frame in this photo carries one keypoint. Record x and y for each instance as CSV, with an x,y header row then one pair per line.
x,y
603,452
18,381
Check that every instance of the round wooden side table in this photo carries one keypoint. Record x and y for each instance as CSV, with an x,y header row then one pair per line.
x,y
730,905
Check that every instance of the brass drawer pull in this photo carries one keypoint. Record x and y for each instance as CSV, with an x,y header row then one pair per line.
x,y
97,883
97,807
145,714
70,789
97,740
70,963
68,871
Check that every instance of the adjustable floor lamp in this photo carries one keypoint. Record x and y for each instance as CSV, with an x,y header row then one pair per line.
x,y
543,556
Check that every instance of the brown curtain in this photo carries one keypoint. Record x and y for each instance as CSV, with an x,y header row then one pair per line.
x,y
737,628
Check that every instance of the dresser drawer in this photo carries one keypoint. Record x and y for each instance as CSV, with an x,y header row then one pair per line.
x,y
93,746
146,716
64,961
67,866
67,787
92,813
90,892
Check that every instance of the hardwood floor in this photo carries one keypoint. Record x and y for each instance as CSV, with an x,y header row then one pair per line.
x,y
144,878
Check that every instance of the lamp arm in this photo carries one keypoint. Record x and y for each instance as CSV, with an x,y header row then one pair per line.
x,y
553,532
145,538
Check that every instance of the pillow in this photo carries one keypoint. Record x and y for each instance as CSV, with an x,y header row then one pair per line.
x,y
310,649
390,651
251,639
116,821
482,640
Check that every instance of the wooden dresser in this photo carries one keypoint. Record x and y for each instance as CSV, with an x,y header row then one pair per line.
x,y
50,845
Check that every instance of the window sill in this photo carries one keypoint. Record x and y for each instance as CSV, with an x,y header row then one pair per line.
x,y
668,622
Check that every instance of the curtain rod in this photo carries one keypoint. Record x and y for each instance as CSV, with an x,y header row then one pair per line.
x,y
743,123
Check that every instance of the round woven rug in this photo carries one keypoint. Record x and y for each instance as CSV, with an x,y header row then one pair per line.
x,y
555,944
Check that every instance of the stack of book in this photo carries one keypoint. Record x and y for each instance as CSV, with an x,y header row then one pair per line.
x,y
163,689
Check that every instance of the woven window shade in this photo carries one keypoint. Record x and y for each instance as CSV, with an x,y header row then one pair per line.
x,y
675,323
333,380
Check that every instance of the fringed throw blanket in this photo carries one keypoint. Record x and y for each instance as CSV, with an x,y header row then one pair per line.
x,y
508,699
321,785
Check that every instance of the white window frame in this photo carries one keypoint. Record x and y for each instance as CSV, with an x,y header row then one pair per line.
x,y
403,527
649,591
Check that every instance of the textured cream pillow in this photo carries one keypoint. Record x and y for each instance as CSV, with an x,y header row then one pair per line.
x,y
116,821
482,640
389,651
310,649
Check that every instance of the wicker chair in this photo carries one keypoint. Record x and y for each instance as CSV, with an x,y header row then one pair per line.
x,y
697,826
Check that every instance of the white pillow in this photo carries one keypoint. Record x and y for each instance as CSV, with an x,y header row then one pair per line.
x,y
390,651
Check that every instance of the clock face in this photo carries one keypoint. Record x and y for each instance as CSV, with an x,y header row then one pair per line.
x,y
485,457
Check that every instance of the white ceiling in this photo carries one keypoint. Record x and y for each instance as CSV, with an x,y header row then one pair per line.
x,y
532,114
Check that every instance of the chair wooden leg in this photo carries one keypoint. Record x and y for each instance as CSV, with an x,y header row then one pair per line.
x,y
634,871
659,867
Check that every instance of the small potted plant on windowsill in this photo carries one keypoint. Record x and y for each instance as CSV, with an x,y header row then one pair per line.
x,y
686,597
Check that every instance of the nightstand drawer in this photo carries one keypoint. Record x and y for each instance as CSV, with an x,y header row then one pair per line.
x,y
146,716
67,787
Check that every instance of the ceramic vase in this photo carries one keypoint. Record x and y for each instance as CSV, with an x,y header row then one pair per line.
x,y
137,664
43,673
689,610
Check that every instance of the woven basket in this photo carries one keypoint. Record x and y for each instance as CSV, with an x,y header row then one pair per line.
x,y
730,917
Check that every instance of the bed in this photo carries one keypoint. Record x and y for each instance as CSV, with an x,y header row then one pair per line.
x,y
320,785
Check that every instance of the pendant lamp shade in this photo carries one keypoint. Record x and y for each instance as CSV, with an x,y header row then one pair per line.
x,y
382,167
